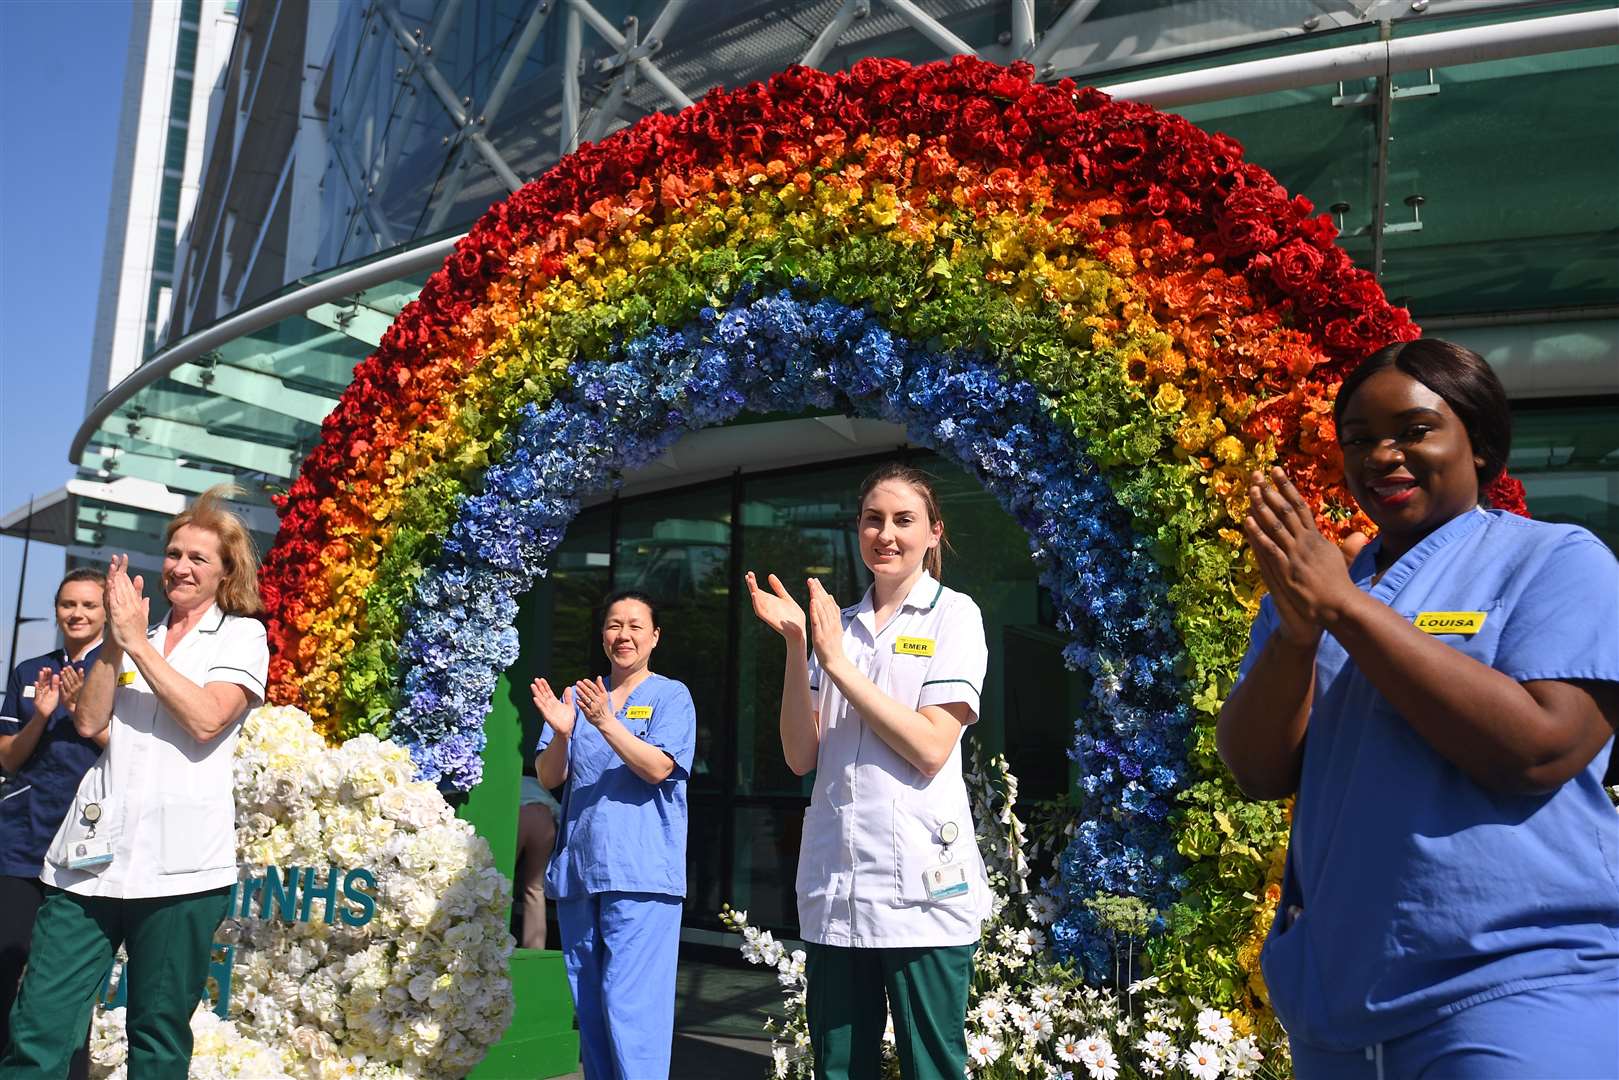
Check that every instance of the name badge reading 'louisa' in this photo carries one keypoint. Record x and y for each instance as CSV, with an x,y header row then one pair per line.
x,y
638,712
914,646
126,678
1450,622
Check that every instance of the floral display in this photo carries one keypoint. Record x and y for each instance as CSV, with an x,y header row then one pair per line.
x,y
1031,1015
220,1050
1102,312
418,986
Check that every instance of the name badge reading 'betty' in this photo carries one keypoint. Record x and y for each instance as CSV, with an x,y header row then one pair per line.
x,y
1450,622
638,712
914,646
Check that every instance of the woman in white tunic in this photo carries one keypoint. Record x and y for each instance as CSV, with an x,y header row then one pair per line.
x,y
146,856
891,887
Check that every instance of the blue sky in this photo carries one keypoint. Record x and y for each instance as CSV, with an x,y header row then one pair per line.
x,y
60,90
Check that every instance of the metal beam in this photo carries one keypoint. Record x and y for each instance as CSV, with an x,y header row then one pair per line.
x,y
1442,48
446,95
1022,28
1058,33
931,28
572,47
827,39
598,22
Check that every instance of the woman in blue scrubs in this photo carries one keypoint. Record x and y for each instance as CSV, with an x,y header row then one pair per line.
x,y
622,752
1443,708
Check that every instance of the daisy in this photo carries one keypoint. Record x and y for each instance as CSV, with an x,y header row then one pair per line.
x,y
1043,910
991,1012
1093,1047
1242,1057
1214,1027
1156,1044
1070,1049
1202,1061
1103,1066
982,1050
1018,1013
1039,1027
1046,996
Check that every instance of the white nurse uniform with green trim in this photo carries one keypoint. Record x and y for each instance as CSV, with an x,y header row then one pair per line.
x,y
876,824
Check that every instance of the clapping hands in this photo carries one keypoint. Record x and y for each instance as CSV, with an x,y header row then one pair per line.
x,y
1306,573
128,611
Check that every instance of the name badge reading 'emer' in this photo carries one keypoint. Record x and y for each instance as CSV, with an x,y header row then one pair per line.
x,y
914,646
1450,622
638,712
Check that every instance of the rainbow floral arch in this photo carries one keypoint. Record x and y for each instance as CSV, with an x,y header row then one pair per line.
x,y
1101,311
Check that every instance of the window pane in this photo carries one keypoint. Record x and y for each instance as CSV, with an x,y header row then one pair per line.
x,y
677,549
794,526
765,865
1568,460
560,634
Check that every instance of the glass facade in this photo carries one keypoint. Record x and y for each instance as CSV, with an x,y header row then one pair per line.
x,y
688,548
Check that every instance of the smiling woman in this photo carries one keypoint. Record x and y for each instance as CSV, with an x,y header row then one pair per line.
x,y
1467,659
146,855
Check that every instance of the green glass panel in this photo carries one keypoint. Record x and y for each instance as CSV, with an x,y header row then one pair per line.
x,y
1568,460
795,526
677,548
1515,163
1314,148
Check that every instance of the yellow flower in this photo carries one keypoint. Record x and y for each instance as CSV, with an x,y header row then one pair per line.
x,y
1168,399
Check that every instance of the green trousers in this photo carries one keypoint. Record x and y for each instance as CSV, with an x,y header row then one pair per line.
x,y
926,990
168,940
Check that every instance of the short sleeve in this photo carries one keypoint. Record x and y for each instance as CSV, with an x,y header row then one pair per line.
x,y
11,717
814,672
1563,623
243,657
960,658
1258,634
673,728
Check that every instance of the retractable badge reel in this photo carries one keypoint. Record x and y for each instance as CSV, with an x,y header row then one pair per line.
x,y
90,851
949,878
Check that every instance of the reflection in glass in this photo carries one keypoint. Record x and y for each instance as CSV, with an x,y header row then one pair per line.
x,y
797,527
677,549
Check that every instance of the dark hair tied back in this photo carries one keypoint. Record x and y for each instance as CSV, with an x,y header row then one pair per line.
x,y
628,594
1466,383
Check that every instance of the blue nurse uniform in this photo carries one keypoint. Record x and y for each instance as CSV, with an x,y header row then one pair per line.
x,y
1420,894
618,876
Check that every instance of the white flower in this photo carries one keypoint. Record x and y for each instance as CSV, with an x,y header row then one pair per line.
x,y
1156,1044
1070,1049
1242,1057
1043,909
1103,1065
1046,997
1092,1047
1030,941
1039,1027
1214,1027
982,1049
1141,984
1202,1060
1018,1014
991,1012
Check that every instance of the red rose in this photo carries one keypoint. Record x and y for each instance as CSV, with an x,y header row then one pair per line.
x,y
1297,265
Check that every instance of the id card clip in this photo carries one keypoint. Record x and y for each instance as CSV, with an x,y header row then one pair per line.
x,y
89,851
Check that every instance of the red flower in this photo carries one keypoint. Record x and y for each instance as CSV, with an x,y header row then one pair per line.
x,y
1297,265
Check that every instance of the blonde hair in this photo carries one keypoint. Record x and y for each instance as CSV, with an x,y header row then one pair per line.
x,y
239,590
922,484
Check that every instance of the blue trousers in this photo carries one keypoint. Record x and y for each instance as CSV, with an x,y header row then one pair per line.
x,y
620,950
1568,1032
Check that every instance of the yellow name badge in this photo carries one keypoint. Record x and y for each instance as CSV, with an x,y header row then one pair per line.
x,y
638,712
126,678
1450,622
914,646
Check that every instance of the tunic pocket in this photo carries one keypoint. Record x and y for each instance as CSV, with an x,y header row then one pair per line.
x,y
192,837
919,846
